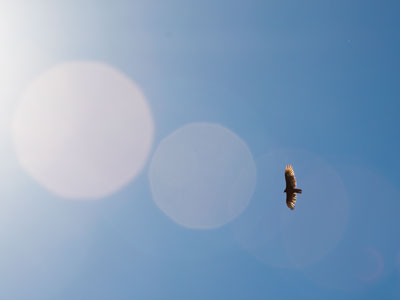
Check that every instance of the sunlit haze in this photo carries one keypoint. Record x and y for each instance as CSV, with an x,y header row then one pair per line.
x,y
143,147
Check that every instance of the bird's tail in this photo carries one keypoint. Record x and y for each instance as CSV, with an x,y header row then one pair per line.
x,y
298,191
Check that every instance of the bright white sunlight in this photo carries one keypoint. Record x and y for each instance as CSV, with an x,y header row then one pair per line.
x,y
240,150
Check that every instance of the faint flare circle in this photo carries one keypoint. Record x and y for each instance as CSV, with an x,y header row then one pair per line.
x,y
202,175
83,130
290,239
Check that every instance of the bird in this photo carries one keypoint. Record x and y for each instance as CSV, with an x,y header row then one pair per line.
x,y
290,189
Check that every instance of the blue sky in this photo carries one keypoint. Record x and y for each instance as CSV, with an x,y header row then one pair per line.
x,y
311,83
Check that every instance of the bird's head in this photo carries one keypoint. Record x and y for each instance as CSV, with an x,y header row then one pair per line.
x,y
284,191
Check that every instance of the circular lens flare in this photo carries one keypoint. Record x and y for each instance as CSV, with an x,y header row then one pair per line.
x,y
83,130
294,239
202,176
366,253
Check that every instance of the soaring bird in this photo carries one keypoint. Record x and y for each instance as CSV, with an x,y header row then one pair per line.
x,y
290,189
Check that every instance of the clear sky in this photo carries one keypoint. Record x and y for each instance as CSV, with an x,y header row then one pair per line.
x,y
143,146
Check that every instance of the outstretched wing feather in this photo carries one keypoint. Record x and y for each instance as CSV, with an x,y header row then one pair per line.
x,y
291,200
289,177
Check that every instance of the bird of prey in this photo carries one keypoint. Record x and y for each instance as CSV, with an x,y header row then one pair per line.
x,y
290,189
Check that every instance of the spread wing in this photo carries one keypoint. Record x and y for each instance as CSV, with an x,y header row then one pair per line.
x,y
291,200
289,177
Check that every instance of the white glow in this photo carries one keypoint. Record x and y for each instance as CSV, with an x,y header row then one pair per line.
x,y
83,130
19,58
202,176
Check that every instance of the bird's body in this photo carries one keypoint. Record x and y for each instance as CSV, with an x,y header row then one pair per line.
x,y
291,189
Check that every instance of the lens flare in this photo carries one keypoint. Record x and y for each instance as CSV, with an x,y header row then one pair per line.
x,y
83,130
366,253
202,176
294,239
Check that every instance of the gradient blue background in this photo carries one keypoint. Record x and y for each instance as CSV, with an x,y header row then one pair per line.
x,y
322,76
